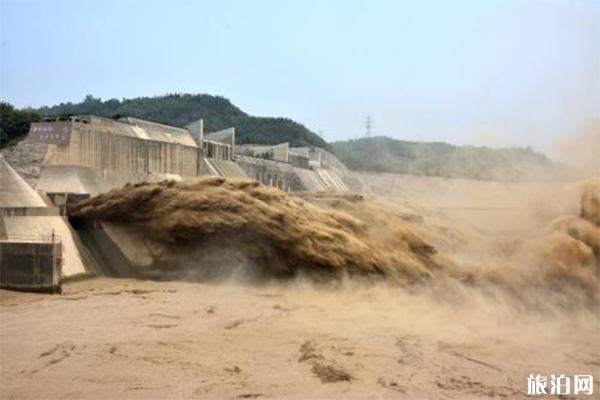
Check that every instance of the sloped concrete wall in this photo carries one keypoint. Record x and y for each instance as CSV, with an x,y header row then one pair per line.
x,y
23,213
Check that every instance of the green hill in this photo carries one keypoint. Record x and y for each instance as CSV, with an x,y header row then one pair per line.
x,y
181,109
384,154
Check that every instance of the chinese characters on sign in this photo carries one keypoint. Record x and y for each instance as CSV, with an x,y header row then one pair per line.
x,y
53,133
560,384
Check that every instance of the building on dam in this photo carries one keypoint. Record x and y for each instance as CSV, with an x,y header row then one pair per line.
x,y
90,154
87,155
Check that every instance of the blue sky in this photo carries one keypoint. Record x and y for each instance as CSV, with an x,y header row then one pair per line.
x,y
485,72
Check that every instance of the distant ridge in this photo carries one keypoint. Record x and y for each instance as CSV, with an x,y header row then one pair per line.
x,y
384,154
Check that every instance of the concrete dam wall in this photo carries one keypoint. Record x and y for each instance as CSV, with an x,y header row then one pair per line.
x,y
119,152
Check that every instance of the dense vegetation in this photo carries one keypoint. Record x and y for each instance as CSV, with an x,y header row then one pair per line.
x,y
14,123
181,109
383,154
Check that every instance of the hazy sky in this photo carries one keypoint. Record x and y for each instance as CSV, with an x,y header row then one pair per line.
x,y
505,72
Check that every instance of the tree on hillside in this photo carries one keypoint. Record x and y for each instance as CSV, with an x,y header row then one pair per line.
x,y
15,123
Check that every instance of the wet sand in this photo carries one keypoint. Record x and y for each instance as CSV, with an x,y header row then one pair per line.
x,y
107,338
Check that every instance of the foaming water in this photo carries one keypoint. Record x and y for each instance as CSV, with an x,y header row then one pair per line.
x,y
213,229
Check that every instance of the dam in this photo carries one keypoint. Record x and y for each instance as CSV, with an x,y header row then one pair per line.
x,y
65,160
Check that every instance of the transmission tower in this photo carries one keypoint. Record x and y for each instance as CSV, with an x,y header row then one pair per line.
x,y
368,125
